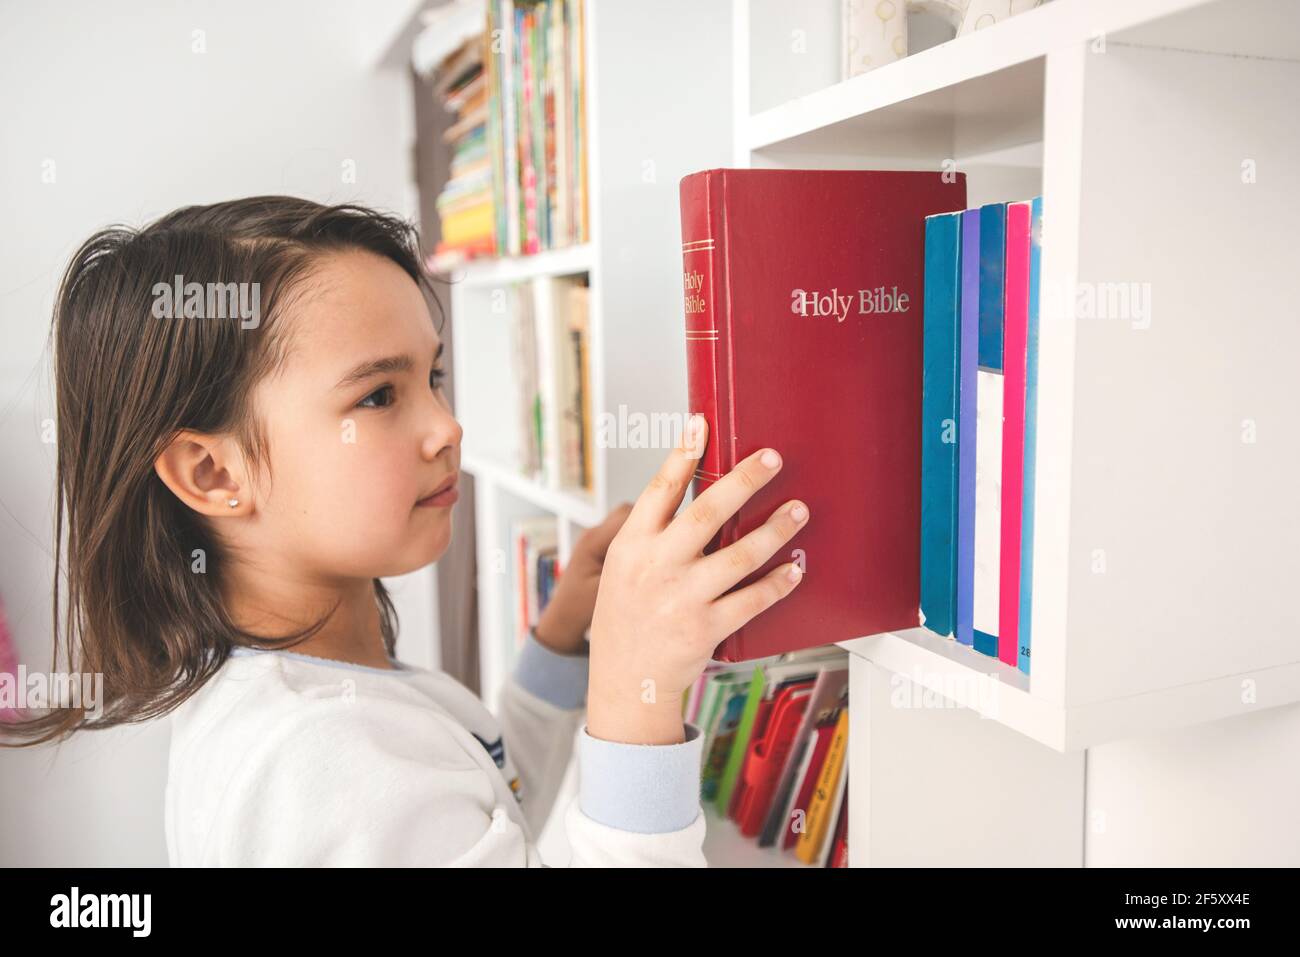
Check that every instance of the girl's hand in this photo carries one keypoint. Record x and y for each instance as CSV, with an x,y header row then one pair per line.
x,y
568,614
659,615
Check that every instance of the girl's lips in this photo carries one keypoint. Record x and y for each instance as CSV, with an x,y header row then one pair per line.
x,y
443,499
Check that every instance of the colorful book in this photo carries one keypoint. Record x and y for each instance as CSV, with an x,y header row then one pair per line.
x,y
813,345
769,751
989,396
1031,435
821,805
939,422
967,384
1016,331
829,693
720,731
740,747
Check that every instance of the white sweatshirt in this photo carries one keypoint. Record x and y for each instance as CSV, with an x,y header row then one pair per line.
x,y
286,759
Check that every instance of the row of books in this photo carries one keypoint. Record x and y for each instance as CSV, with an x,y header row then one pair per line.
x,y
536,569
979,415
551,357
466,205
537,131
775,754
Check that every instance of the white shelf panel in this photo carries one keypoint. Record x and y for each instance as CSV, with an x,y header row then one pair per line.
x,y
567,261
993,78
575,506
1000,693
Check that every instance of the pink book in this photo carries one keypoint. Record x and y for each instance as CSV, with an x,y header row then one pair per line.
x,y
1013,428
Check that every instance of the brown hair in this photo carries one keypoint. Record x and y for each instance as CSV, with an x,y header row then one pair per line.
x,y
125,384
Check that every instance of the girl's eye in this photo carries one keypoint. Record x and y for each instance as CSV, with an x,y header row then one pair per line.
x,y
383,397
436,377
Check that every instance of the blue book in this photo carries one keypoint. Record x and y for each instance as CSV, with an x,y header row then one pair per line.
x,y
968,359
988,428
939,422
993,256
1031,435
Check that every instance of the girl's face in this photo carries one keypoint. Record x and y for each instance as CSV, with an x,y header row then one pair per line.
x,y
359,431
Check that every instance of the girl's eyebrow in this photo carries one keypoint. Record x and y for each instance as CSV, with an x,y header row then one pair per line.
x,y
380,366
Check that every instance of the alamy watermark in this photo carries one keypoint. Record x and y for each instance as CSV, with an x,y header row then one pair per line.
x,y
37,690
214,300
133,912
1124,301
643,430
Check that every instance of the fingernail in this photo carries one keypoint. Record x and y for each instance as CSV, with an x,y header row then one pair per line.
x,y
695,425
795,573
770,459
798,512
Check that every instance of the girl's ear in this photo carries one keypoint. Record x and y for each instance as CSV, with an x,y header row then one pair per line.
x,y
205,472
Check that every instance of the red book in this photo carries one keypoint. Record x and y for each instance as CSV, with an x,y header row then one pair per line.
x,y
803,299
769,750
839,856
1015,338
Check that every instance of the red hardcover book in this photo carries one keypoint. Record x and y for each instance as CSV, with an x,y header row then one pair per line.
x,y
803,297
769,750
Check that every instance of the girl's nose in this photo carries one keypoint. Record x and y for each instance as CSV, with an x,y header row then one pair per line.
x,y
446,432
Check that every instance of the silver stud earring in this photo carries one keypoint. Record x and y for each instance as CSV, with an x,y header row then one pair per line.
x,y
233,502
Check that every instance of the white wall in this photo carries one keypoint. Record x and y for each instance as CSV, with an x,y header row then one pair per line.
x,y
136,123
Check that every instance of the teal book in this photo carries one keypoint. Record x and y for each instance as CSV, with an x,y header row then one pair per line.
x,y
941,336
1031,434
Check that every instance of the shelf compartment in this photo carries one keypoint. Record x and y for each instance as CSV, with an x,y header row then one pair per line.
x,y
575,506
1000,693
984,77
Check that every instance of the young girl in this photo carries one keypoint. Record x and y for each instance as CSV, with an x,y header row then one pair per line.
x,y
251,432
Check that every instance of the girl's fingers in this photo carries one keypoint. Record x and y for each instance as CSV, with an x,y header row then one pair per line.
x,y
721,570
731,611
699,522
659,501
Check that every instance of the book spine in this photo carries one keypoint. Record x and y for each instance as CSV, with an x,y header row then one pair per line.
x,y
969,358
528,133
580,119
1013,428
509,128
708,347
989,399
941,336
1031,437
819,810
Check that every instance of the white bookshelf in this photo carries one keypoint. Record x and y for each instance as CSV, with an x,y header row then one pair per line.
x,y
658,107
1162,552
640,143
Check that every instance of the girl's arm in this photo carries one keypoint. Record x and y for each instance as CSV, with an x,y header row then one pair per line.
x,y
540,710
633,799
381,782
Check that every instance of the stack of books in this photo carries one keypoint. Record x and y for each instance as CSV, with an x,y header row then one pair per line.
x,y
537,130
776,751
537,568
979,418
466,205
551,351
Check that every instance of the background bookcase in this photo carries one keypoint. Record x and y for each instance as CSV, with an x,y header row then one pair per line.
x,y
1159,723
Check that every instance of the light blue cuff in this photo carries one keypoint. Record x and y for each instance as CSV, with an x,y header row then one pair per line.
x,y
553,677
646,788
